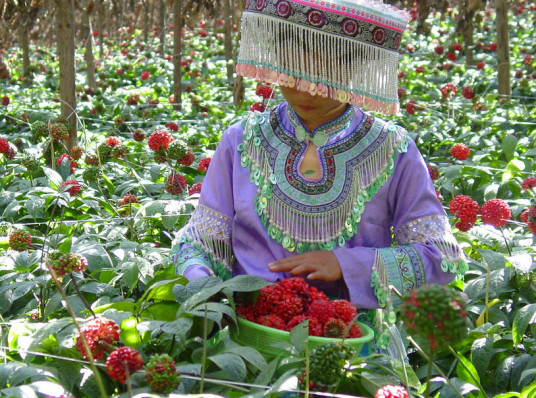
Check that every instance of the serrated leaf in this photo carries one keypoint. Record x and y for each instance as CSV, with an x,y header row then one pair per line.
x,y
34,207
179,327
299,335
231,364
524,317
494,259
54,178
266,374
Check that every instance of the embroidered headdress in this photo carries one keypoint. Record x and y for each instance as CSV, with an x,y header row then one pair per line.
x,y
344,49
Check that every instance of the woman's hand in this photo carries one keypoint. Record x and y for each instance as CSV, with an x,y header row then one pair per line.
x,y
320,264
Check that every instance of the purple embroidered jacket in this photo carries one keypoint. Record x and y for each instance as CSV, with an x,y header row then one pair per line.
x,y
375,207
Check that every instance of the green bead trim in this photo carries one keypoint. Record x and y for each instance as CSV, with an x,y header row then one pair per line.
x,y
252,129
216,266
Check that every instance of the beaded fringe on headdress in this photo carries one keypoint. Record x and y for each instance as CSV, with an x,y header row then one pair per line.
x,y
351,71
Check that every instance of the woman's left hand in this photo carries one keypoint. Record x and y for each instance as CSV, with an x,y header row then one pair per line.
x,y
320,264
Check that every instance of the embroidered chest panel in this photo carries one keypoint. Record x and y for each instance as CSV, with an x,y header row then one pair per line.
x,y
305,215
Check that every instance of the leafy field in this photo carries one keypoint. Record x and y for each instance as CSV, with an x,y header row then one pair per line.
x,y
120,204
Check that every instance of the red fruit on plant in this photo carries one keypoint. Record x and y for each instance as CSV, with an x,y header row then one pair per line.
x,y
66,263
176,184
77,152
451,56
410,107
448,90
161,374
59,131
20,240
480,65
433,171
265,91
469,92
145,75
258,106
172,126
160,139
5,100
439,50
464,226
196,188
203,164
457,47
100,335
138,135
112,142
465,208
187,159
127,199
496,212
391,391
11,153
460,151
73,187
493,46
122,362
4,145
419,69
528,183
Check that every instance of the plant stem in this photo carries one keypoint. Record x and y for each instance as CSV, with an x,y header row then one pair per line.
x,y
81,295
476,382
98,379
129,384
437,368
505,241
307,368
204,356
486,297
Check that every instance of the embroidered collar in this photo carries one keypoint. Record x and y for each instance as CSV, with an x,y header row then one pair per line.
x,y
320,135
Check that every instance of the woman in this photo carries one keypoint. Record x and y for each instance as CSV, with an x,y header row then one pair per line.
x,y
315,186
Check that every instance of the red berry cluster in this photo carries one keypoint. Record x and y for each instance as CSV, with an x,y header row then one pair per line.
x,y
128,198
391,391
528,216
112,142
66,263
460,151
188,158
123,361
436,313
4,145
138,135
257,106
528,183
196,188
496,212
291,301
161,374
433,171
203,164
265,91
448,90
66,158
77,152
59,131
74,187
20,240
160,139
466,209
100,335
469,92
172,126
176,184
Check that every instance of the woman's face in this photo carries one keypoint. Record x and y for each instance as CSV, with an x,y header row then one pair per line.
x,y
314,110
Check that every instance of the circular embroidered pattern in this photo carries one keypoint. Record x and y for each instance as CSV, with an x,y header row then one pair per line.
x,y
316,18
350,27
379,36
260,4
283,9
396,40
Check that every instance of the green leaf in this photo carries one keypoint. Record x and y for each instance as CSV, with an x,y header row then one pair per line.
x,y
245,283
231,364
250,355
213,311
524,317
130,273
162,290
19,392
494,259
509,146
299,335
466,371
402,369
53,177
463,387
162,311
180,327
522,363
529,391
266,374
35,206
481,353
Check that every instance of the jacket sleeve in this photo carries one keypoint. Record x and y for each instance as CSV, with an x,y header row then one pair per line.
x,y
203,246
424,250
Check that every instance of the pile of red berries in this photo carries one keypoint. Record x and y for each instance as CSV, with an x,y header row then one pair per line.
x,y
291,301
